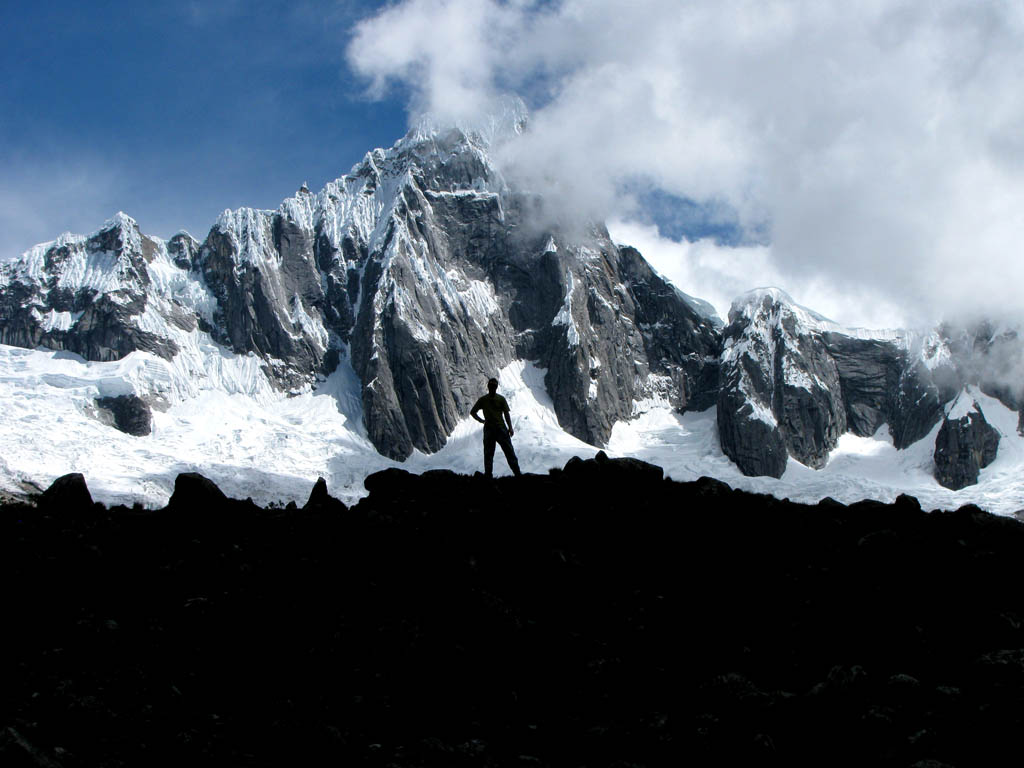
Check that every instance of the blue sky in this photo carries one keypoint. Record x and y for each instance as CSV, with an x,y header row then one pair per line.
x,y
173,111
866,157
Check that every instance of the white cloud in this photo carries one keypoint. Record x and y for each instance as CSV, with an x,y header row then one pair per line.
x,y
719,274
881,139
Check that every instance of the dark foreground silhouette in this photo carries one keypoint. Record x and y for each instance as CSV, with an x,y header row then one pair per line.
x,y
596,616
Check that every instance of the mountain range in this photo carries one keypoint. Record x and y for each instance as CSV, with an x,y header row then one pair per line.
x,y
399,288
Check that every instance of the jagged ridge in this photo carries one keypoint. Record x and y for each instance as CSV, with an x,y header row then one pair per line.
x,y
421,269
424,272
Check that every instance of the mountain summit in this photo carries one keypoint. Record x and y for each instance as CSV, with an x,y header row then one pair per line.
x,y
420,268
423,271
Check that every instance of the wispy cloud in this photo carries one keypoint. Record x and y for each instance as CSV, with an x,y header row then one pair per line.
x,y
881,140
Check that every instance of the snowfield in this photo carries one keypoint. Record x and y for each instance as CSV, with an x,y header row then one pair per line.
x,y
217,414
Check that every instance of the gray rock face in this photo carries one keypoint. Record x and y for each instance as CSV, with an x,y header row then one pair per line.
x,y
261,269
963,447
869,373
83,295
456,283
780,386
130,413
792,378
183,249
920,396
747,434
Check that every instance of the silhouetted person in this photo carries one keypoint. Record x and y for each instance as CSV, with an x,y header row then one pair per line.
x,y
496,416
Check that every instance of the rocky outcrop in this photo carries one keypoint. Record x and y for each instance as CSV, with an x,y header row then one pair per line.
x,y
748,432
918,406
183,250
130,413
260,267
320,501
682,338
869,373
460,283
780,386
84,295
196,494
966,443
793,381
68,493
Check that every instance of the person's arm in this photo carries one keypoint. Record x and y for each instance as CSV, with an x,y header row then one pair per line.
x,y
475,410
508,420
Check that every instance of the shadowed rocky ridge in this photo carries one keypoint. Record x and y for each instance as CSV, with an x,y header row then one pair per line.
x,y
599,615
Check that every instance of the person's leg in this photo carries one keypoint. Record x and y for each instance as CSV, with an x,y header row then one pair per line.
x,y
510,455
488,450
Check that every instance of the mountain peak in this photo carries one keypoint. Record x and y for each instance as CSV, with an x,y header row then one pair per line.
x,y
119,220
962,405
504,118
755,302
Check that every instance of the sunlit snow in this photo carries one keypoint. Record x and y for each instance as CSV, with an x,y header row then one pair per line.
x,y
222,418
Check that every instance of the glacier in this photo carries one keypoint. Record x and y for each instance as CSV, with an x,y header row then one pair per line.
x,y
258,443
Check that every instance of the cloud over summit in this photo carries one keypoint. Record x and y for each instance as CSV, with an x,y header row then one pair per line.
x,y
882,142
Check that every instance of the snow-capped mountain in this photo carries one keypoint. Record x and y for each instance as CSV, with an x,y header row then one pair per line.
x,y
793,382
420,267
399,288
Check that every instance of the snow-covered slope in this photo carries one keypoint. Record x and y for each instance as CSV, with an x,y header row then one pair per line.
x,y
253,441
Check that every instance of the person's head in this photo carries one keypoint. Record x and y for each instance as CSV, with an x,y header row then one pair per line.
x,y
492,385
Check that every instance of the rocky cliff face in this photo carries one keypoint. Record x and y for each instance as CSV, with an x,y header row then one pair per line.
x,y
84,295
966,443
426,272
454,282
777,372
793,382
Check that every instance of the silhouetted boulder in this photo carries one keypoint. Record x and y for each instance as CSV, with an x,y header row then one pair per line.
x,y
905,503
321,501
709,486
388,479
67,492
131,413
193,492
441,475
624,469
